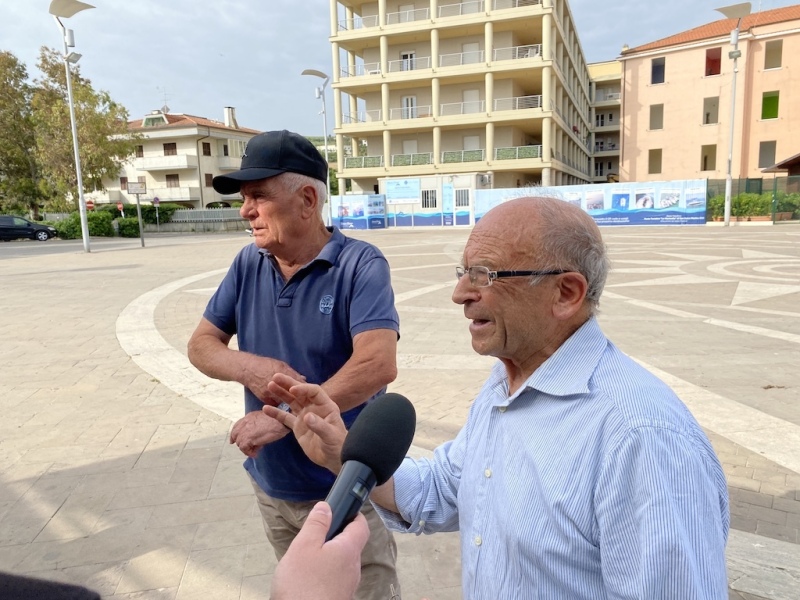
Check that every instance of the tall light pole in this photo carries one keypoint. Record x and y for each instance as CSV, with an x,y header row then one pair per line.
x,y
65,9
734,11
320,93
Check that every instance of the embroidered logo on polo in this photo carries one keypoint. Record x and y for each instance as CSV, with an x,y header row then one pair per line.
x,y
326,305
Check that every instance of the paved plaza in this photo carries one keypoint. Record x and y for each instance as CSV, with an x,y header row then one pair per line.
x,y
115,471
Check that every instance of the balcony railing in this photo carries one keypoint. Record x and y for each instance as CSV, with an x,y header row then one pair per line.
x,y
518,103
373,68
366,116
462,156
407,16
518,152
501,4
462,108
408,160
162,163
358,23
229,163
176,193
461,58
410,112
462,8
363,162
516,52
410,64
608,97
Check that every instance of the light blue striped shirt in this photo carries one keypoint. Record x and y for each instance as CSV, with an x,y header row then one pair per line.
x,y
592,481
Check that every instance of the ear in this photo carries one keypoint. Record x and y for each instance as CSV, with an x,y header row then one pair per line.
x,y
571,289
310,200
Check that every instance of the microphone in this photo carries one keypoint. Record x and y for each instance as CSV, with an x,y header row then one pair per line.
x,y
374,447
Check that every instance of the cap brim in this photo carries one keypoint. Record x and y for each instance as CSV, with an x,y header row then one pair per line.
x,y
232,182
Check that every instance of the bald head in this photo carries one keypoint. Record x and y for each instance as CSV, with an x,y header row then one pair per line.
x,y
552,234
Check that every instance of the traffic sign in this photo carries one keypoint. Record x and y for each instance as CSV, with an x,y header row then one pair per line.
x,y
90,205
137,187
156,201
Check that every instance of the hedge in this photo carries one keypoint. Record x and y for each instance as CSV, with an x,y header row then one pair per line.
x,y
100,225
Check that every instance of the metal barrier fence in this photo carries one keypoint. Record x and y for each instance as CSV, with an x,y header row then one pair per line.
x,y
777,198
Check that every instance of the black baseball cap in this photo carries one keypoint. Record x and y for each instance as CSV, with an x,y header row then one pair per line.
x,y
271,153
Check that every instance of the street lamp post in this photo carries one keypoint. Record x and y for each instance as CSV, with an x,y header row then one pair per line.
x,y
320,93
734,11
65,9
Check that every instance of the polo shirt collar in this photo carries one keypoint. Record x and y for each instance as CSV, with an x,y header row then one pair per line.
x,y
330,251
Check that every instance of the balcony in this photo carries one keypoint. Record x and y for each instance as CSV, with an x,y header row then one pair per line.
x,y
502,4
517,52
409,64
229,163
518,103
461,8
462,108
166,163
462,156
409,160
518,152
362,69
461,58
363,162
358,23
408,16
176,193
365,116
410,112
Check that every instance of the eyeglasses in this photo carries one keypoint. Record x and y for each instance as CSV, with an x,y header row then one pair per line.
x,y
483,277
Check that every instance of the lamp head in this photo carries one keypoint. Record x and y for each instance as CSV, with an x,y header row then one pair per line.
x,y
73,58
67,8
735,11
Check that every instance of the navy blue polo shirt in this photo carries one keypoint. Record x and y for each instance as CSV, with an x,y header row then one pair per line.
x,y
308,322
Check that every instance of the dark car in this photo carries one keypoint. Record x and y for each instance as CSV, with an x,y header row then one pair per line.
x,y
13,228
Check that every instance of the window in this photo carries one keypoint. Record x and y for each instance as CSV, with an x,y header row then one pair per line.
x,y
708,158
472,101
139,151
429,199
657,68
710,110
766,154
408,61
654,161
171,149
224,149
206,149
769,105
123,184
462,198
773,54
409,107
599,120
209,179
656,116
610,118
173,181
598,169
713,61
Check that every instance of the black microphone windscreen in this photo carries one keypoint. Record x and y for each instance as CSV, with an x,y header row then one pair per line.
x,y
381,435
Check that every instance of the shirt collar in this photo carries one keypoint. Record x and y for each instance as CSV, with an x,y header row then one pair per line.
x,y
330,251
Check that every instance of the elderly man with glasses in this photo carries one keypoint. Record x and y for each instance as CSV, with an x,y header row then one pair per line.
x,y
579,474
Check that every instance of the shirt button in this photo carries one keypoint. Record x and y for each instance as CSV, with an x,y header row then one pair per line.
x,y
488,472
422,523
478,540
502,409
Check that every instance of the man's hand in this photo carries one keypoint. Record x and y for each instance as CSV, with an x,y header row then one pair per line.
x,y
259,371
255,430
315,419
313,568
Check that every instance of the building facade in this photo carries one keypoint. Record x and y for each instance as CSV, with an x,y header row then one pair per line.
x,y
488,93
178,157
606,103
677,98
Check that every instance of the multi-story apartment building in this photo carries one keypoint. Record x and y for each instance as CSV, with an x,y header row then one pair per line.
x,y
494,93
606,95
178,157
676,107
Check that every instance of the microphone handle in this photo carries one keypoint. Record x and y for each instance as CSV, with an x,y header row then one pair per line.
x,y
348,494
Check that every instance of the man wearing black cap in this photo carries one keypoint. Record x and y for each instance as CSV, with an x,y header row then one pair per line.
x,y
308,302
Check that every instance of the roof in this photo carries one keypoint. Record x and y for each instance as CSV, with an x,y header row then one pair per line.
x,y
784,165
721,28
181,120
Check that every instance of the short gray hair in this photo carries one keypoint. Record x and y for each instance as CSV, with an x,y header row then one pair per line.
x,y
292,182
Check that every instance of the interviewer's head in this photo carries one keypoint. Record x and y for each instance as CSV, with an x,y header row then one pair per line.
x,y
524,319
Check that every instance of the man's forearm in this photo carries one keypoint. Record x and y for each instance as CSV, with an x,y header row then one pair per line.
x,y
383,495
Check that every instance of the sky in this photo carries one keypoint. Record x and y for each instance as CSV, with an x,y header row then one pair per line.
x,y
199,56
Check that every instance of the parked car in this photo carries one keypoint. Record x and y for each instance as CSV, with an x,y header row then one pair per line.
x,y
13,228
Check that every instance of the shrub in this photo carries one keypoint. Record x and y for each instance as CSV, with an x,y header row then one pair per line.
x,y
128,227
100,224
788,203
165,212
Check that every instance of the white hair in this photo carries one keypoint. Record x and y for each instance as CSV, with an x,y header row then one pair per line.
x,y
292,182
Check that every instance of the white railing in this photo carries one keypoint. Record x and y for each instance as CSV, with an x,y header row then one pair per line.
x,y
500,4
518,103
358,23
407,160
462,8
410,64
176,193
516,52
460,156
408,16
183,215
365,116
363,162
611,96
373,68
462,108
410,112
157,163
518,152
461,58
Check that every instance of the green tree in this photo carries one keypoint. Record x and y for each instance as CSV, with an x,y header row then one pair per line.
x,y
20,176
103,137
